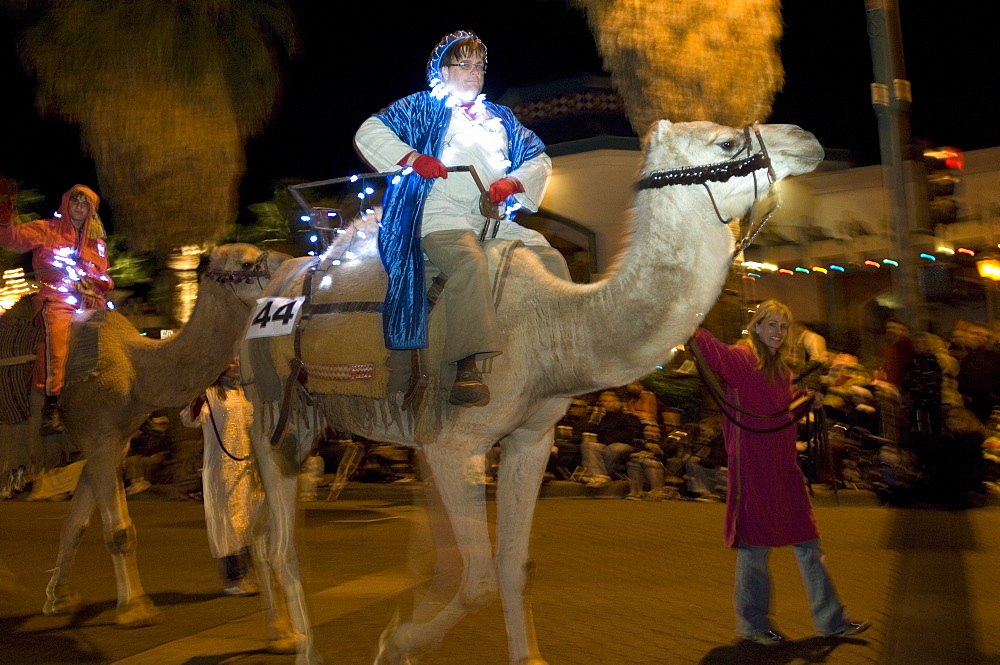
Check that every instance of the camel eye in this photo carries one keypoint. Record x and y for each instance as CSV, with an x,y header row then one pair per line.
x,y
246,265
728,145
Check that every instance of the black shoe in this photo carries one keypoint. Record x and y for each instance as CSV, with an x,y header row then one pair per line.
x,y
852,628
469,389
51,419
767,638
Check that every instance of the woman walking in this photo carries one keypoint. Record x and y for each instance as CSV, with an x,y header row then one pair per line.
x,y
767,504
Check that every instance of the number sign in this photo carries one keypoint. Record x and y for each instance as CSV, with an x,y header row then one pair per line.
x,y
274,316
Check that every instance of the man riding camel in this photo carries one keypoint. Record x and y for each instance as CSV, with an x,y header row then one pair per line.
x,y
70,261
452,124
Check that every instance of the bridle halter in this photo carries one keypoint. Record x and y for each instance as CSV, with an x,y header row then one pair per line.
x,y
722,172
258,271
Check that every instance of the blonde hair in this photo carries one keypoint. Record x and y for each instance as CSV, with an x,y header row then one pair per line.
x,y
770,364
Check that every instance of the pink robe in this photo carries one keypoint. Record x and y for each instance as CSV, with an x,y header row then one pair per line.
x,y
767,504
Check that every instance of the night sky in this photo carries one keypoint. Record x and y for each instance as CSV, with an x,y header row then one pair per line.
x,y
352,64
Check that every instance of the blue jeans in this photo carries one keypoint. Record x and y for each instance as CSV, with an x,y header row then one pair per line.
x,y
752,596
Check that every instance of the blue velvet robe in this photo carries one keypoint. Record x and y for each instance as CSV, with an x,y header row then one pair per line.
x,y
421,121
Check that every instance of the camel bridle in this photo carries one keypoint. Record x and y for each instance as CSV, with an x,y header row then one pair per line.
x,y
722,172
258,271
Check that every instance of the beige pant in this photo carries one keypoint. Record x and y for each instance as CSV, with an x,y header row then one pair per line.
x,y
469,314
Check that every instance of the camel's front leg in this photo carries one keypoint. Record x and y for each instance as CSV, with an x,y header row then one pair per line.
x,y
60,597
522,466
103,473
280,558
463,523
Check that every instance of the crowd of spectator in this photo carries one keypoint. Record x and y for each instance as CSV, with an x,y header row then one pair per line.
x,y
930,406
627,434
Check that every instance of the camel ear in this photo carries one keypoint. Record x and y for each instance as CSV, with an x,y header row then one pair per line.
x,y
214,253
656,132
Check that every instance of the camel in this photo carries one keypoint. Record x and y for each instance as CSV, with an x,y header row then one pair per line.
x,y
561,339
134,376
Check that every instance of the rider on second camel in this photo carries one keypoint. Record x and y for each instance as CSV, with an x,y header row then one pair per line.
x,y
70,261
452,124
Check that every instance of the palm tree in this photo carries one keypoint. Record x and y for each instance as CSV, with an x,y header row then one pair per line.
x,y
166,94
708,60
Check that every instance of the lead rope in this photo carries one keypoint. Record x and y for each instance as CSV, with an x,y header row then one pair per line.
x,y
218,437
712,383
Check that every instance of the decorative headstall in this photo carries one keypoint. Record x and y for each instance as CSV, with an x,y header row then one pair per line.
x,y
257,271
721,172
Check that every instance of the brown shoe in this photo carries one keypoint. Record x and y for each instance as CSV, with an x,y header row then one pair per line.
x,y
51,419
469,389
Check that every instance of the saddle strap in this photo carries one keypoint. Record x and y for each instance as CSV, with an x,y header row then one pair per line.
x,y
296,366
418,379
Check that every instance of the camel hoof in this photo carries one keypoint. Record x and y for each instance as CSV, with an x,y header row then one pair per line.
x,y
68,604
285,644
138,614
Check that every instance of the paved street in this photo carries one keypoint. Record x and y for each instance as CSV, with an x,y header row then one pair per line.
x,y
616,582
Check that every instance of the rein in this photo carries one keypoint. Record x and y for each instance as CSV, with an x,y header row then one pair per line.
x,y
218,436
712,383
722,172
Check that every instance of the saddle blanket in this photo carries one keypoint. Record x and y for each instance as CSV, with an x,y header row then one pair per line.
x,y
339,337
19,338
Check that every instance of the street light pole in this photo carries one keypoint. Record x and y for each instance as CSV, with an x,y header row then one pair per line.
x,y
891,100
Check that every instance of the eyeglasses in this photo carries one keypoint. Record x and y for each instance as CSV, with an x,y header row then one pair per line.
x,y
466,66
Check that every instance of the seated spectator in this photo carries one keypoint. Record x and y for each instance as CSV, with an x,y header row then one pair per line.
x,y
648,465
616,435
706,472
565,457
641,403
848,396
978,372
148,449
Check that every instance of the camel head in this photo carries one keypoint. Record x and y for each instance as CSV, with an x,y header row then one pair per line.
x,y
676,151
244,268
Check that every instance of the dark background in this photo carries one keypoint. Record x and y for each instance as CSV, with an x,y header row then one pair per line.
x,y
358,57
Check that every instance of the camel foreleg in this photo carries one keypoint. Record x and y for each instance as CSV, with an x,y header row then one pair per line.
x,y
103,473
522,466
288,617
60,597
458,519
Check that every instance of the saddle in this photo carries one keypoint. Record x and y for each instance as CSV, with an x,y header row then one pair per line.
x,y
19,338
338,345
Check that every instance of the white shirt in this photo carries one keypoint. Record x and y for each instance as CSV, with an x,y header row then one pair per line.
x,y
453,202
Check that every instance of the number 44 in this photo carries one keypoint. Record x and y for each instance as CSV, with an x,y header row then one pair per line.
x,y
283,313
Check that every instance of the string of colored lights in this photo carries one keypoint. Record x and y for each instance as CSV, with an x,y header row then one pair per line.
x,y
755,269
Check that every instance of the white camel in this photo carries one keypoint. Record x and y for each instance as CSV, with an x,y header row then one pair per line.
x,y
133,376
561,339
